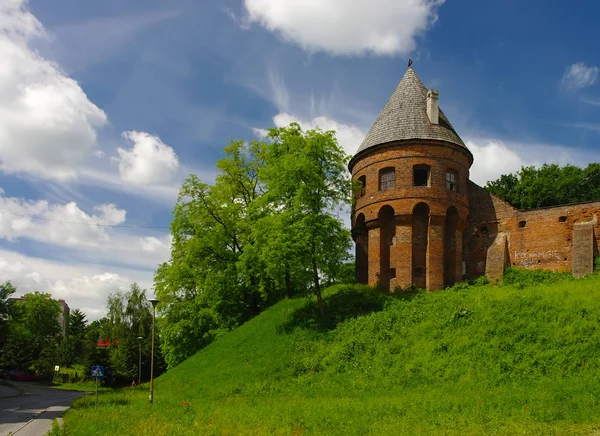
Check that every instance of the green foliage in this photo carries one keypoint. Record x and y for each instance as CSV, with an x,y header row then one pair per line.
x,y
479,360
6,291
265,230
522,277
129,316
33,333
549,185
77,331
597,264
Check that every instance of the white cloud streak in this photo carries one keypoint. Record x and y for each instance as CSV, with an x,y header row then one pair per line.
x,y
84,288
579,76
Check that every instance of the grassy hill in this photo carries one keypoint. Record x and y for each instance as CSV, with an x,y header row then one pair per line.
x,y
512,359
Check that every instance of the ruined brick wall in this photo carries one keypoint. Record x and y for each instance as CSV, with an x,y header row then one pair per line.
x,y
544,238
499,234
488,229
440,158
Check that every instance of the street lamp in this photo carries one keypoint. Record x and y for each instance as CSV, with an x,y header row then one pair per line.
x,y
140,363
154,302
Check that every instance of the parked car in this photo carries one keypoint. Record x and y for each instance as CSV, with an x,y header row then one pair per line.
x,y
21,376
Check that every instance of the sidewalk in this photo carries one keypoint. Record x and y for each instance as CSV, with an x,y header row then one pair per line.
x,y
42,423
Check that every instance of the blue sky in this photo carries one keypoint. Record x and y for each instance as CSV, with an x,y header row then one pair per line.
x,y
105,107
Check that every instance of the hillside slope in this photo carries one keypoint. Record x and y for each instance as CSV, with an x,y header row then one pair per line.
x,y
485,359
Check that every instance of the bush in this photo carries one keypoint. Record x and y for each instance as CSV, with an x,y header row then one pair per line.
x,y
521,277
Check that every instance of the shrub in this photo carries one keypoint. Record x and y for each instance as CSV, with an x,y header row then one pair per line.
x,y
521,277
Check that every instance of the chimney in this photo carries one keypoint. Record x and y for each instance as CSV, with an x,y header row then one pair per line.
x,y
433,109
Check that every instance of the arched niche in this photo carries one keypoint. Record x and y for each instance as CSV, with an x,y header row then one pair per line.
x,y
420,234
387,231
450,245
362,249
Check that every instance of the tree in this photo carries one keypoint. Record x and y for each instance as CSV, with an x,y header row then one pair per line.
x,y
129,317
6,290
203,287
306,183
77,331
33,333
266,229
549,185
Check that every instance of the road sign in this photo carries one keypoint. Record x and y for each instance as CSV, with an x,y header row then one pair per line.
x,y
97,371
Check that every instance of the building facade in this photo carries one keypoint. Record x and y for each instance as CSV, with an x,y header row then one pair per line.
x,y
419,220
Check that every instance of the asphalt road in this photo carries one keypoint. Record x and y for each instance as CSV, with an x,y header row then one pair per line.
x,y
20,402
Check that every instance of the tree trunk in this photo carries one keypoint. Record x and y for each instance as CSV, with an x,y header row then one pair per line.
x,y
317,285
288,283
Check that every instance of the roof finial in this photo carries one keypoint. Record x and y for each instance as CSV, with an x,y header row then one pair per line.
x,y
409,63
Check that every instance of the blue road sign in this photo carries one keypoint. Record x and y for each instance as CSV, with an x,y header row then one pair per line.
x,y
97,371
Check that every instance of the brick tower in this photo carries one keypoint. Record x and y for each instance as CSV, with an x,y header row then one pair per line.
x,y
409,217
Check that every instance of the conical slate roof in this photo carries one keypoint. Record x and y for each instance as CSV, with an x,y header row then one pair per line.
x,y
405,117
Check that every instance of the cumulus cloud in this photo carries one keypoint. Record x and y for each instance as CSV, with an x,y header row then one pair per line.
x,y
381,27
80,235
47,123
579,76
493,157
149,161
82,288
349,136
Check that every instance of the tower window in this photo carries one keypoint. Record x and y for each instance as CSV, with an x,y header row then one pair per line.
x,y
421,175
363,186
522,224
452,180
387,179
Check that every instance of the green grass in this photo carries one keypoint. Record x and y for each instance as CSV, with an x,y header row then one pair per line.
x,y
479,360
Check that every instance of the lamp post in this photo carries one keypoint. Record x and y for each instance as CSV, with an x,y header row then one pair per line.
x,y
154,302
140,362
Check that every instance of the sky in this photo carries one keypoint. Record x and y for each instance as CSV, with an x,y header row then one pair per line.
x,y
106,107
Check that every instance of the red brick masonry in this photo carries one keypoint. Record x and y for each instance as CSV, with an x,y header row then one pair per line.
x,y
432,237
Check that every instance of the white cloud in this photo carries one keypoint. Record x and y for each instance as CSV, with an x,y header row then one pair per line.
x,y
82,288
83,237
579,76
349,136
381,27
47,123
149,161
493,158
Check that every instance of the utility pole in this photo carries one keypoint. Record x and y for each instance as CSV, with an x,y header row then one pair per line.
x,y
140,362
154,302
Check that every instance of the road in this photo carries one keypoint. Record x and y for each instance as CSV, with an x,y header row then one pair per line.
x,y
20,402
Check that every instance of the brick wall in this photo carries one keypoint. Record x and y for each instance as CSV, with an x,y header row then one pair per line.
x,y
407,246
540,238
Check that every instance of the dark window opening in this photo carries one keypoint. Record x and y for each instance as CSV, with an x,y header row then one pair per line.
x,y
363,186
418,273
452,181
387,179
562,219
392,273
522,224
421,175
